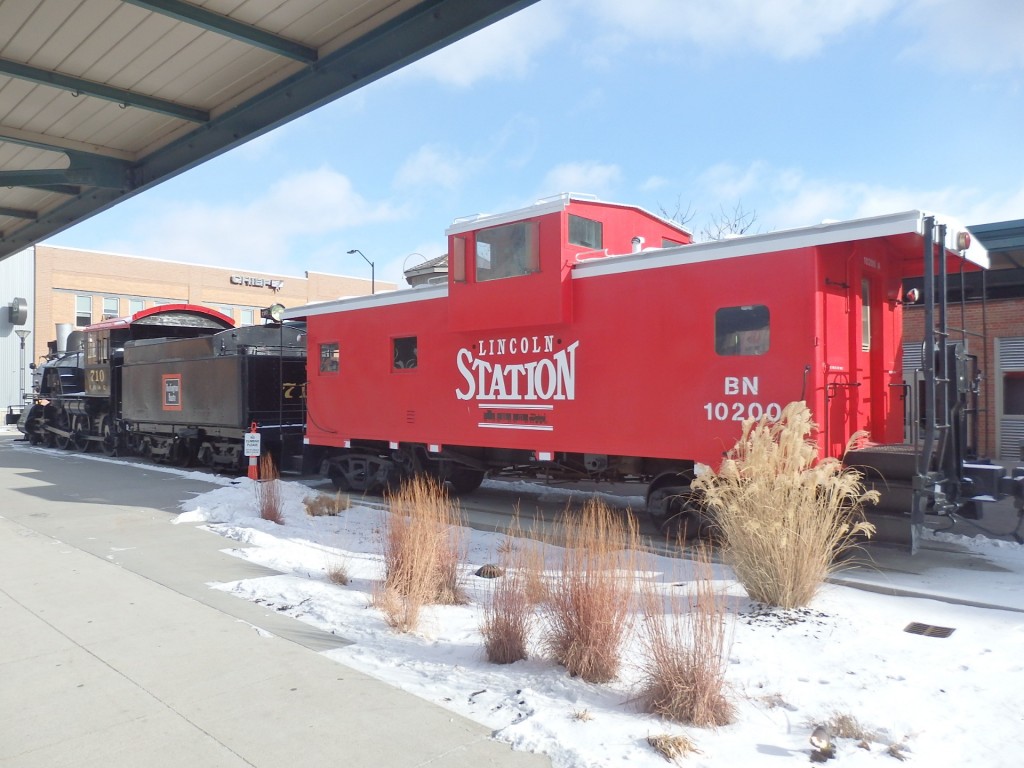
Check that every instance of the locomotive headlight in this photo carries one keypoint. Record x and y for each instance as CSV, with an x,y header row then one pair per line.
x,y
275,313
963,240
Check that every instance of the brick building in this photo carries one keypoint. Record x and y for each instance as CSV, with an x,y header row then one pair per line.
x,y
58,285
987,310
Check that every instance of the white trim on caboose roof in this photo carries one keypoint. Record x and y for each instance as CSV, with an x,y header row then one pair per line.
x,y
547,205
422,293
907,222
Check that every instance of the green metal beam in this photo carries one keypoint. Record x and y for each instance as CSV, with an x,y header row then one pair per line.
x,y
77,85
423,29
18,213
61,189
224,25
84,169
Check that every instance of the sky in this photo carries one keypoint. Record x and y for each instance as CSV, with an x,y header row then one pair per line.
x,y
795,111
939,701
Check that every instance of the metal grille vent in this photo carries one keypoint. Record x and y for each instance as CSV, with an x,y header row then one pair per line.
x,y
912,356
928,630
410,417
1011,353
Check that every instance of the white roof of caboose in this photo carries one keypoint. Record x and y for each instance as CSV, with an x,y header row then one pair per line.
x,y
904,223
888,225
546,205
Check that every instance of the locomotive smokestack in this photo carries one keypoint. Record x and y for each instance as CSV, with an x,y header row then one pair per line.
x,y
63,332
638,244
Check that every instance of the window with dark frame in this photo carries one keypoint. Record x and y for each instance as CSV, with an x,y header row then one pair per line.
x,y
509,250
111,307
403,353
586,232
742,330
329,357
83,311
1013,393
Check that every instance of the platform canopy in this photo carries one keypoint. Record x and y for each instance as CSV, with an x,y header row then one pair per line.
x,y
1004,241
101,99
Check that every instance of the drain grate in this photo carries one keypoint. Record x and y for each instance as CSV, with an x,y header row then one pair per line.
x,y
928,630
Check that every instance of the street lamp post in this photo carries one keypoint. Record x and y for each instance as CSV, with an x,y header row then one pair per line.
x,y
22,334
373,287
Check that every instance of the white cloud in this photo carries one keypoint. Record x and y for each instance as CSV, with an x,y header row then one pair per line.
x,y
653,183
505,49
431,166
261,234
979,36
587,177
786,29
787,197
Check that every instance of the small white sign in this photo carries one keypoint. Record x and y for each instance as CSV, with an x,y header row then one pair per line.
x,y
252,444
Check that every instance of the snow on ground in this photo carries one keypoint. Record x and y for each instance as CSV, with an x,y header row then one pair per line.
x,y
953,701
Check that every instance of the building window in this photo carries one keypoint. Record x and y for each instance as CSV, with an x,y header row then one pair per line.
x,y
248,316
403,353
1013,393
111,307
329,357
83,311
586,232
669,243
742,330
507,251
136,305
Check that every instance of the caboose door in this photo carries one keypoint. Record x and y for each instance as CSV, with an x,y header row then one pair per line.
x,y
855,391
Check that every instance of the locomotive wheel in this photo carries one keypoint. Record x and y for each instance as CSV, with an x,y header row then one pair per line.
x,y
109,442
674,509
183,454
465,479
62,422
356,474
80,441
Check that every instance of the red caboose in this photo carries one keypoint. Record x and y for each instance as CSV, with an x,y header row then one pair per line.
x,y
545,353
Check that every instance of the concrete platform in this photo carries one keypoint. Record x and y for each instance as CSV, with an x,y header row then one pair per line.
x,y
114,652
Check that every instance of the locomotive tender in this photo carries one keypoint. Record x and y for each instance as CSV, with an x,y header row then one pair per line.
x,y
178,383
546,354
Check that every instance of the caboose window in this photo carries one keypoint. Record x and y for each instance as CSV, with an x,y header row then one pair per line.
x,y
507,251
329,357
742,330
403,353
459,259
586,232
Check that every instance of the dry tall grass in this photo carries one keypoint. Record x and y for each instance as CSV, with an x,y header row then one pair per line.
x,y
784,516
268,491
589,607
423,543
508,617
323,504
686,649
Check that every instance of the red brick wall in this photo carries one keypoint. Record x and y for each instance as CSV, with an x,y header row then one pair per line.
x,y
1003,318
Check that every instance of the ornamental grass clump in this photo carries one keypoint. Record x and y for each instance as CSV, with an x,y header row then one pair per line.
x,y
783,515
686,648
589,604
268,491
423,545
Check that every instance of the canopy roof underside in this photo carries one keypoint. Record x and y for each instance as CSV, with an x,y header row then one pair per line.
x,y
100,99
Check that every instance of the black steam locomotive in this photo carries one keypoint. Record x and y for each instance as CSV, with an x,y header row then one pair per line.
x,y
177,383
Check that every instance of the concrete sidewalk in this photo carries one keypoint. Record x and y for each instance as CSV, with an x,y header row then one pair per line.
x,y
114,652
